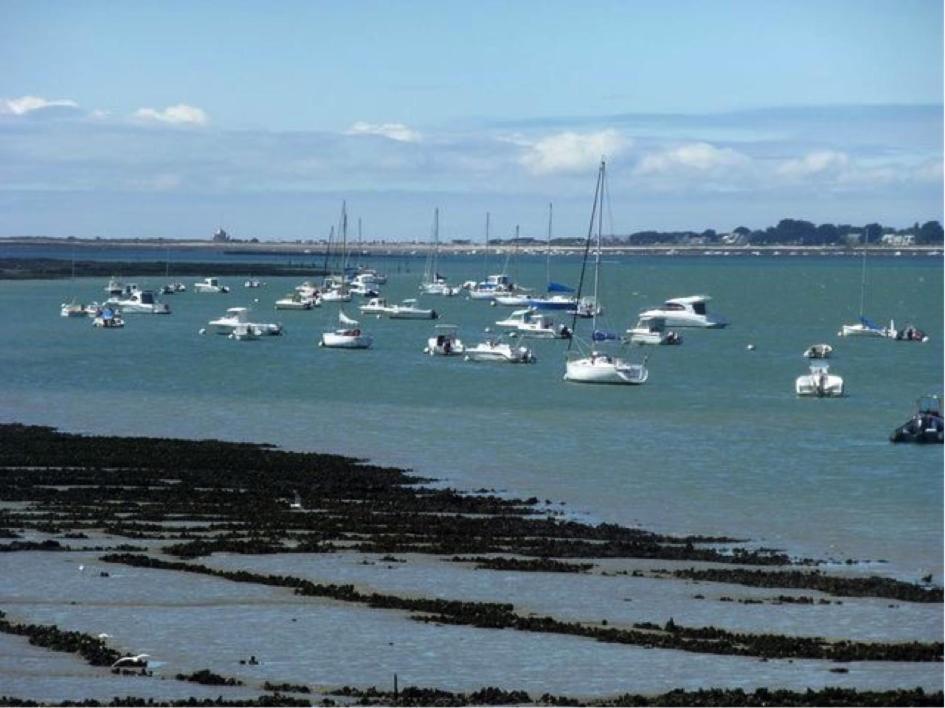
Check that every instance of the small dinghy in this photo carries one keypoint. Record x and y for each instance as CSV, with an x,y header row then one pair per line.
x,y
819,383
818,351
926,426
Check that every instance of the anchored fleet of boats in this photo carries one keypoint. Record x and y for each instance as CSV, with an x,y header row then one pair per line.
x,y
591,357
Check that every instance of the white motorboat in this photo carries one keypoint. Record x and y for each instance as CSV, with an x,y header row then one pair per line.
x,y
370,276
495,350
308,290
687,312
363,290
652,330
375,306
819,383
818,351
108,318
498,284
253,283
244,331
605,369
296,301
236,316
598,367
114,287
445,342
210,285
337,294
139,302
349,336
529,322
408,310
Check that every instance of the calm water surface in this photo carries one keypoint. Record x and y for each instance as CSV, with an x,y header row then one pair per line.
x,y
716,442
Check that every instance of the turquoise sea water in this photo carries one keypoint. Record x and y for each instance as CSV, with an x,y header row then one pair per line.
x,y
715,442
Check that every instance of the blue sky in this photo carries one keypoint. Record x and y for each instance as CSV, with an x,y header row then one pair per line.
x,y
167,118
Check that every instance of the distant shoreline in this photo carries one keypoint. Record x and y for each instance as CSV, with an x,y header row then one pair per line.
x,y
415,248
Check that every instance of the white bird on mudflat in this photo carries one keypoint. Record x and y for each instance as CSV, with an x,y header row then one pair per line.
x,y
137,661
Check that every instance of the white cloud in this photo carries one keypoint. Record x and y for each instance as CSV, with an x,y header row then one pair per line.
x,y
572,152
27,104
815,163
689,158
394,131
181,114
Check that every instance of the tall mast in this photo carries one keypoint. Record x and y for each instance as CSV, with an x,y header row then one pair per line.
x,y
485,260
548,251
344,239
331,238
863,275
587,248
436,242
600,225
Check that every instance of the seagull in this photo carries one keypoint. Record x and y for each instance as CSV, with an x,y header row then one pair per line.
x,y
137,661
81,568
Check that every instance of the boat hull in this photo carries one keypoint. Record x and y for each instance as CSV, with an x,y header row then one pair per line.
x,y
336,340
605,370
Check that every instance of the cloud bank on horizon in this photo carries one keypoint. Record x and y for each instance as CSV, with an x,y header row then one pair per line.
x,y
64,171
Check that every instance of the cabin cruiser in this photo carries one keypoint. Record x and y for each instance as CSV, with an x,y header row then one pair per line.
x,y
439,286
531,323
371,276
408,310
652,330
307,290
686,312
375,306
107,318
497,284
602,368
819,382
498,351
114,287
210,285
926,426
363,290
818,351
444,342
139,301
296,301
236,316
349,336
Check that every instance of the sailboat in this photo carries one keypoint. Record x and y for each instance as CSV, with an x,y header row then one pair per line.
x,y
74,309
865,327
349,336
598,366
559,296
496,284
336,287
433,283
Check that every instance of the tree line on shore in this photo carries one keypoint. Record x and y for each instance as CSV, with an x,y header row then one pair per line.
x,y
795,232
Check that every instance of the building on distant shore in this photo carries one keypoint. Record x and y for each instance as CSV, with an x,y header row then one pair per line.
x,y
899,239
221,235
